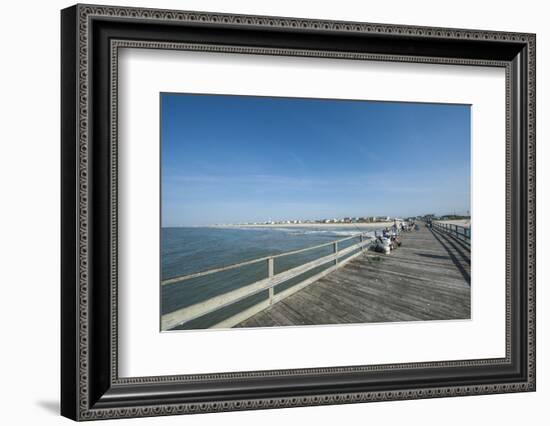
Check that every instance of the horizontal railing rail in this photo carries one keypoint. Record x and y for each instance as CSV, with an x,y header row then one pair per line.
x,y
463,233
252,261
200,309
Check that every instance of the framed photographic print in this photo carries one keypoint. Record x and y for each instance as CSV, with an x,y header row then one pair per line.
x,y
263,212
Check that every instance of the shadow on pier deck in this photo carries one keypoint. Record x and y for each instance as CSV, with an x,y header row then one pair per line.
x,y
427,278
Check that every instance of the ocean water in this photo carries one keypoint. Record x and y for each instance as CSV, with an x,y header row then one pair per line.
x,y
188,250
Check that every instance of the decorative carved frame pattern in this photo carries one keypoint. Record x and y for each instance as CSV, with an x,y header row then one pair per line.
x,y
85,13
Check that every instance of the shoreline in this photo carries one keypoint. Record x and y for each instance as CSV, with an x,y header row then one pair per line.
x,y
309,225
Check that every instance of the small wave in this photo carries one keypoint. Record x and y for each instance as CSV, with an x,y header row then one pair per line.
x,y
309,231
346,233
313,231
300,231
249,228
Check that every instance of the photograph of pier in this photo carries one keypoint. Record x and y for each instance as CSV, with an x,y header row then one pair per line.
x,y
312,212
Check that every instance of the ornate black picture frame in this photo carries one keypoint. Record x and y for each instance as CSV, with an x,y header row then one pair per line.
x,y
91,387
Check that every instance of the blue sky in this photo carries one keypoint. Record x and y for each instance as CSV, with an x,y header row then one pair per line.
x,y
233,159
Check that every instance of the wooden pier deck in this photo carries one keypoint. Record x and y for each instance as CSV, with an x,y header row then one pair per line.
x,y
427,278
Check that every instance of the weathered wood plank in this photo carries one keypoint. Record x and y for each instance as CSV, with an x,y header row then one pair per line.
x,y
189,313
428,278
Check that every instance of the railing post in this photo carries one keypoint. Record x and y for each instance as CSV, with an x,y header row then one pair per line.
x,y
270,275
336,252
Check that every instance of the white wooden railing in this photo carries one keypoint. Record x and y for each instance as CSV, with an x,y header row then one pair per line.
x,y
200,309
461,232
